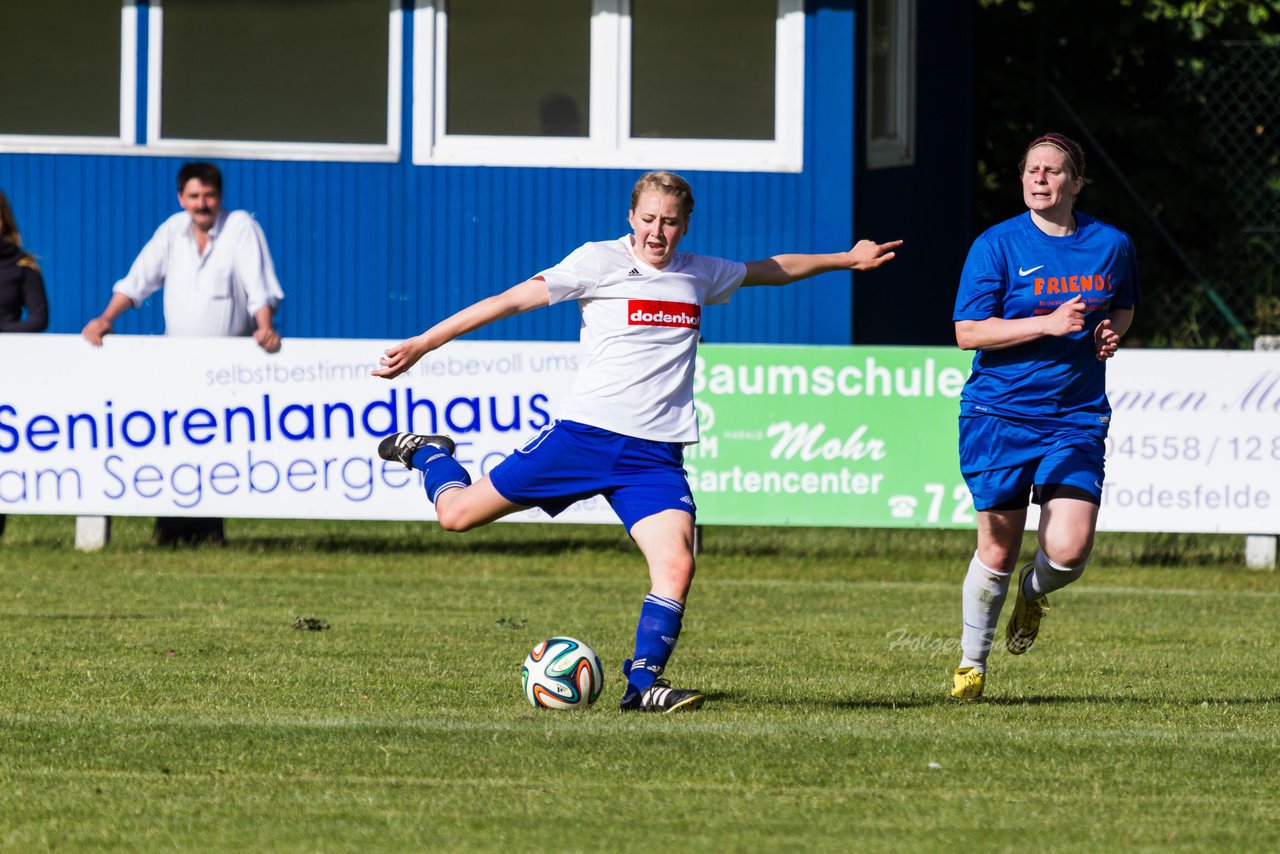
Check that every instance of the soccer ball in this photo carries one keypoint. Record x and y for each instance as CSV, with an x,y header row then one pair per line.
x,y
562,673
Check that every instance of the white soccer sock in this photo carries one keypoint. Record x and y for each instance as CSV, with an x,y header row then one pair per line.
x,y
1049,576
981,600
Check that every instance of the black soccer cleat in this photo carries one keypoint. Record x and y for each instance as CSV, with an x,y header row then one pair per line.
x,y
661,698
400,447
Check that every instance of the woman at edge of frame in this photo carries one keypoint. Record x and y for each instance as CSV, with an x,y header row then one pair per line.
x,y
21,286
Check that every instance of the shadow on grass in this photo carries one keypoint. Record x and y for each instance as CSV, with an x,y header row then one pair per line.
x,y
426,546
941,700
861,704
904,545
872,704
106,618
1113,700
734,542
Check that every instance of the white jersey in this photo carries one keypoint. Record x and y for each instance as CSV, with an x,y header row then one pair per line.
x,y
640,330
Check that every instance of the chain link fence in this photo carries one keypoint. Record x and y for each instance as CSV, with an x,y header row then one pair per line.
x,y
1237,91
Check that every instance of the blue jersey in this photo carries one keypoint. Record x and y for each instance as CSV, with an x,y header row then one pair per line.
x,y
1016,270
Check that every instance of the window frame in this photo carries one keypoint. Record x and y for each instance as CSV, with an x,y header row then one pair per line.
x,y
899,149
124,141
607,143
388,152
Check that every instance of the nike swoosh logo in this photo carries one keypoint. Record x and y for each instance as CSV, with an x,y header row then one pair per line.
x,y
1022,272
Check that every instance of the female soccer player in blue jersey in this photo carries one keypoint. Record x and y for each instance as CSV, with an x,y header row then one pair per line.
x,y
1044,299
622,429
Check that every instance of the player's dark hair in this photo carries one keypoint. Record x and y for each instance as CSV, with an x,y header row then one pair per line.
x,y
13,235
10,223
205,173
668,183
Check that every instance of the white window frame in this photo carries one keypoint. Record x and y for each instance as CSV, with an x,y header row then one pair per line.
x,y
76,144
900,149
608,143
374,152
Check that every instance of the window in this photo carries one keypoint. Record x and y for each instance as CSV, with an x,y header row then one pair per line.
x,y
708,77
537,82
70,68
891,83
286,79
711,84
714,84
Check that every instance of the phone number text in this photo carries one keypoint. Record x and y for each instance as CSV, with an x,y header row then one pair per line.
x,y
1195,449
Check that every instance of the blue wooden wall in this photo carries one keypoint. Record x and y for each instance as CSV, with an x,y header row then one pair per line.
x,y
372,250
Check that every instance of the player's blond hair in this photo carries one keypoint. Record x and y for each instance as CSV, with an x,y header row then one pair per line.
x,y
667,183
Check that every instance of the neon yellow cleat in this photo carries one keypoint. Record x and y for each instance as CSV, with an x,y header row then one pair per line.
x,y
967,684
1024,625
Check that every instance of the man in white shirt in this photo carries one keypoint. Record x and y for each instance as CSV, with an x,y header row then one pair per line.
x,y
213,265
218,280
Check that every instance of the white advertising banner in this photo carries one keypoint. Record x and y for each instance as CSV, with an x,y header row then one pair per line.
x,y
156,426
1194,442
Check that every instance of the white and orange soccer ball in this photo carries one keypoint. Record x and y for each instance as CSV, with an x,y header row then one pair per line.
x,y
562,673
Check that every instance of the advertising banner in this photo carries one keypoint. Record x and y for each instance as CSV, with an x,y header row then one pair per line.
x,y
833,436
1194,442
842,436
157,426
867,437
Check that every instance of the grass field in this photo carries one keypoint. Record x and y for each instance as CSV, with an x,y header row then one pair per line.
x,y
158,699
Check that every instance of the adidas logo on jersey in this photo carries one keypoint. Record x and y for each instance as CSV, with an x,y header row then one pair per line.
x,y
634,272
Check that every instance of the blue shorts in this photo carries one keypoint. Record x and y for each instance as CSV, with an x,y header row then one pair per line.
x,y
568,462
1002,459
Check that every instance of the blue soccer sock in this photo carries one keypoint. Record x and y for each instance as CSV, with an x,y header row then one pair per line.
x,y
440,471
656,636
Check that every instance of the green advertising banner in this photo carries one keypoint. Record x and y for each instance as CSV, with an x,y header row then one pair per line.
x,y
829,436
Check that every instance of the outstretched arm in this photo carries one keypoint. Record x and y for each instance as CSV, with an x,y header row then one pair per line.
x,y
785,269
523,297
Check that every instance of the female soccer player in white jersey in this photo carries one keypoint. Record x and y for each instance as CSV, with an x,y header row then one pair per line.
x,y
1044,298
621,430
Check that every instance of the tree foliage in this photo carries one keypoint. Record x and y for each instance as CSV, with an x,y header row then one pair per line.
x,y
1131,80
1215,18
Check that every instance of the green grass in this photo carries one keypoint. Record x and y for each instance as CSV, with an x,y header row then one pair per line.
x,y
154,698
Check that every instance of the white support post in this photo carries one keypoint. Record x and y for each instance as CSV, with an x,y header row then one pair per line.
x,y
1260,549
92,533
